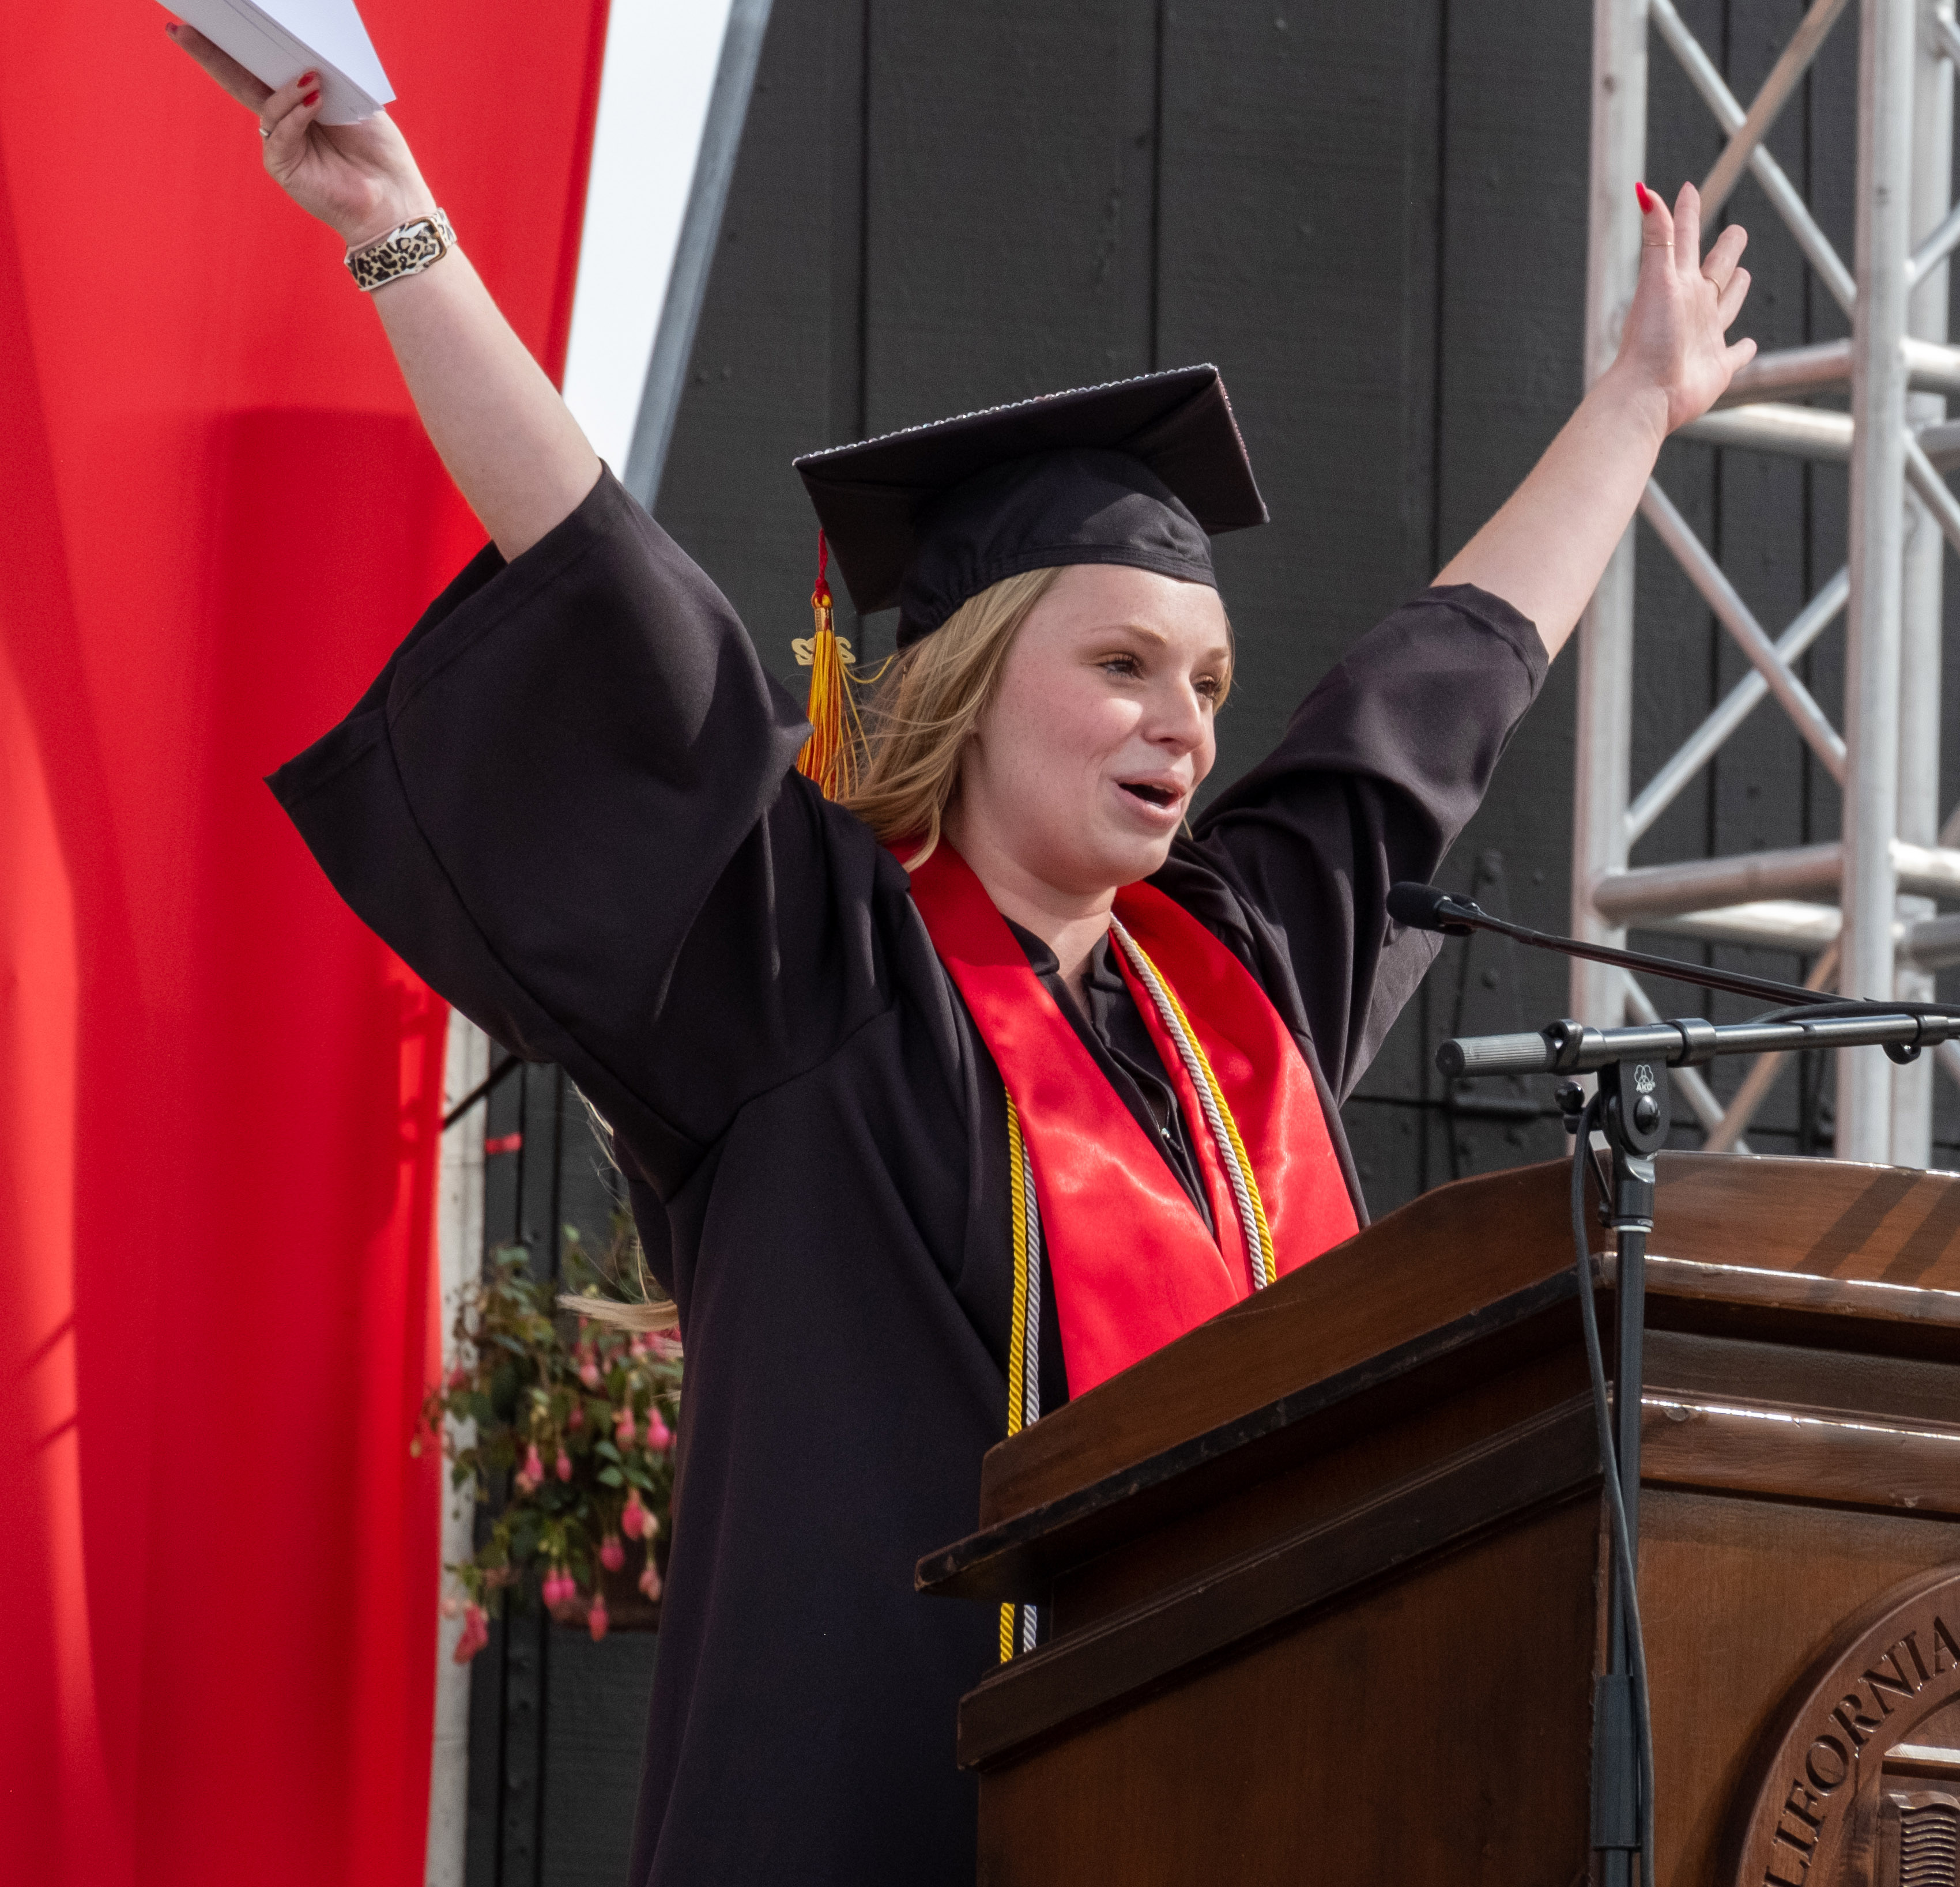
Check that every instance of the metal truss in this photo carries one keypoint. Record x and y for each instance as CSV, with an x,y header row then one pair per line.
x,y
1863,905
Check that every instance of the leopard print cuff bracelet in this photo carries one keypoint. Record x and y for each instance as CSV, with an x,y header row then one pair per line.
x,y
407,249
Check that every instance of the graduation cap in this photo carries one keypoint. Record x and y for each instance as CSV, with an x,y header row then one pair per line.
x,y
1142,472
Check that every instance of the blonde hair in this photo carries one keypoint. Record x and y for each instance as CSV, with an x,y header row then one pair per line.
x,y
928,706
931,701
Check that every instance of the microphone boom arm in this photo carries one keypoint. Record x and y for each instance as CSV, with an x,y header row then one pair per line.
x,y
1570,1048
1423,907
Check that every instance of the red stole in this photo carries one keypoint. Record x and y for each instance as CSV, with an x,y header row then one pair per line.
x,y
1133,1265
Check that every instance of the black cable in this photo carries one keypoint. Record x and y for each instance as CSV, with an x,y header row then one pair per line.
x,y
482,1089
1609,1463
1854,1006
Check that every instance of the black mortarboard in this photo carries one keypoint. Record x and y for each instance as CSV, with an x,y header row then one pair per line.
x,y
1144,472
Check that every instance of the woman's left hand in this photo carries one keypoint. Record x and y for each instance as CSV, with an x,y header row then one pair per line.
x,y
1673,347
1544,550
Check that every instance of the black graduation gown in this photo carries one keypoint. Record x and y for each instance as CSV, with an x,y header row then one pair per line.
x,y
569,802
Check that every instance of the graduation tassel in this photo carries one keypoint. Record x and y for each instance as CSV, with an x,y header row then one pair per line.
x,y
829,756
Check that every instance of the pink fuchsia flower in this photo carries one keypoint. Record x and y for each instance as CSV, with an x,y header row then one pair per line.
x,y
612,1553
530,1476
451,1608
659,1435
576,1420
559,1587
595,1620
475,1635
633,1517
649,1580
458,1378
624,1428
562,1466
588,1368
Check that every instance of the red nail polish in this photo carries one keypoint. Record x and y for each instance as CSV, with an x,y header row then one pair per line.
x,y
1644,198
310,100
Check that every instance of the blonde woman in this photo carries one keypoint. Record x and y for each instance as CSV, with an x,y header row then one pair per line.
x,y
1002,1035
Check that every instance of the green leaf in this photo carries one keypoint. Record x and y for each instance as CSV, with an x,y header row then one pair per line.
x,y
611,1477
504,1386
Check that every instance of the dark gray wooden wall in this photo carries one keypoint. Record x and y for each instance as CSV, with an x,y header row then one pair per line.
x,y
1373,218
556,1723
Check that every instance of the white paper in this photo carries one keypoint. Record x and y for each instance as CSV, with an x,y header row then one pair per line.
x,y
654,90
278,39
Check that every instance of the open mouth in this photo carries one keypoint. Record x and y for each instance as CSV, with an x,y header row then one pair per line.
x,y
1151,795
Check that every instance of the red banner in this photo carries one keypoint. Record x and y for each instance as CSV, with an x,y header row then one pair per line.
x,y
218,1095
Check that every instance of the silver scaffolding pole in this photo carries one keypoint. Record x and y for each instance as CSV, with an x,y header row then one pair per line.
x,y
1604,745
1868,898
1870,891
1922,599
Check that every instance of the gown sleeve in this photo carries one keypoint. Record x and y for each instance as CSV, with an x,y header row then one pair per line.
x,y
569,802
1382,767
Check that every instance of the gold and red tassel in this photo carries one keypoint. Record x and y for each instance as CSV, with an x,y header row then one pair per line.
x,y
830,756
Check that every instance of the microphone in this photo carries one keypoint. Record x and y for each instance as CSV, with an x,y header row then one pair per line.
x,y
1423,907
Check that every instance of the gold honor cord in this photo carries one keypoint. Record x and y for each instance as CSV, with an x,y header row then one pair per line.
x,y
1024,1337
1232,1155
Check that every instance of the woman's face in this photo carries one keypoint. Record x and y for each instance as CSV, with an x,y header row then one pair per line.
x,y
1083,766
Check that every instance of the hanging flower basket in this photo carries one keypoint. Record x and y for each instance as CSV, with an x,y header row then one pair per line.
x,y
563,1425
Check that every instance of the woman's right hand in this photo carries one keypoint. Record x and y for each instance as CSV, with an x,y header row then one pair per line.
x,y
359,179
510,442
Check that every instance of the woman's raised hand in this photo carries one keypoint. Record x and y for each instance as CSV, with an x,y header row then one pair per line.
x,y
514,450
359,179
1544,551
1675,343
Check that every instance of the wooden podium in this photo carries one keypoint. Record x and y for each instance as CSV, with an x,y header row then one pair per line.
x,y
1325,1576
